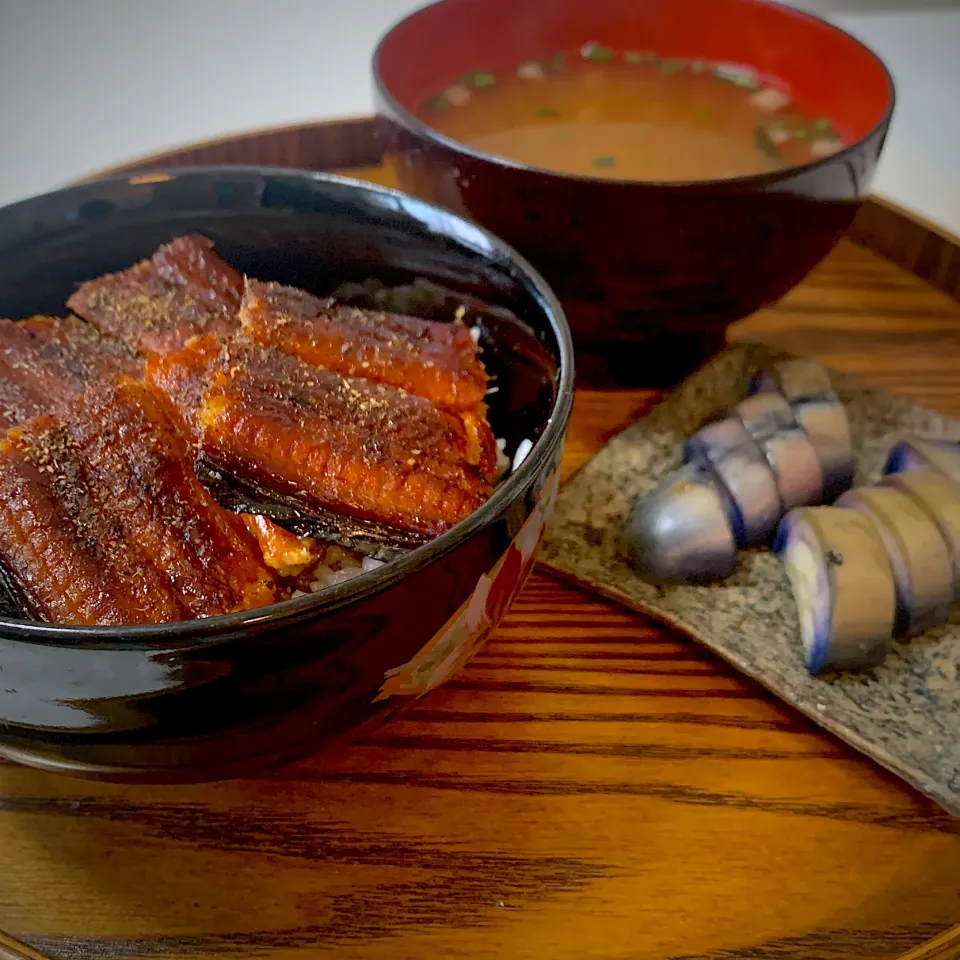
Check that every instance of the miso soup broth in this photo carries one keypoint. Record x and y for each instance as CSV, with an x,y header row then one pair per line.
x,y
630,116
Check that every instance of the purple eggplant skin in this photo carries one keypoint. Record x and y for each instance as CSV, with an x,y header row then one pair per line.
x,y
805,385
825,422
714,439
765,414
754,499
939,497
680,532
741,467
924,453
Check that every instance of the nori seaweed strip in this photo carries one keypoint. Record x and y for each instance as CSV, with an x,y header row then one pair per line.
x,y
11,602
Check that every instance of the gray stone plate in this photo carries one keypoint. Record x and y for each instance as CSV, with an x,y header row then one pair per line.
x,y
904,714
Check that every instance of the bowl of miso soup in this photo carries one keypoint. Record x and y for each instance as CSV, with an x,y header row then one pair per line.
x,y
670,166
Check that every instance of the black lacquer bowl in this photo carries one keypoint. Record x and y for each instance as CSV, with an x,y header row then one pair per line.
x,y
210,699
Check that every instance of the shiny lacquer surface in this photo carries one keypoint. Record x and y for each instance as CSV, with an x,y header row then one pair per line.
x,y
212,698
649,273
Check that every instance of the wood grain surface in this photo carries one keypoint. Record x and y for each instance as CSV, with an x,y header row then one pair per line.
x,y
590,786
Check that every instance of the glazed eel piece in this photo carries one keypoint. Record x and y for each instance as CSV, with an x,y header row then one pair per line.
x,y
103,520
46,363
366,488
431,359
183,290
394,463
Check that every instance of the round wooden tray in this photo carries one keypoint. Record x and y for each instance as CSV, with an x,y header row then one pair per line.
x,y
590,786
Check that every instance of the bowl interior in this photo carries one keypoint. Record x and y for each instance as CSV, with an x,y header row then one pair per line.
x,y
317,232
827,69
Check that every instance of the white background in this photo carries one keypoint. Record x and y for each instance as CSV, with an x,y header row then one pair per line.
x,y
88,84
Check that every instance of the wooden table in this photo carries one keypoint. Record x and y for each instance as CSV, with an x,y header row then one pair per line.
x,y
591,786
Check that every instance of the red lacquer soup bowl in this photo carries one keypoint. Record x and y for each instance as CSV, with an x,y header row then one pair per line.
x,y
650,273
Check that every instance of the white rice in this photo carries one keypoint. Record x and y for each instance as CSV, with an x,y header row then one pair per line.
x,y
503,461
523,450
330,578
338,566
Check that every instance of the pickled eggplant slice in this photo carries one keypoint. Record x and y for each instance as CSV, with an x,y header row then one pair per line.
x,y
796,466
753,501
770,422
796,380
843,586
714,439
916,453
825,422
918,555
806,388
680,532
765,414
763,381
790,454
939,497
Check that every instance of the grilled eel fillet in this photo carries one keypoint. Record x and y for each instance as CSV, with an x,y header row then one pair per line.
x,y
183,290
46,362
438,361
103,521
366,450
